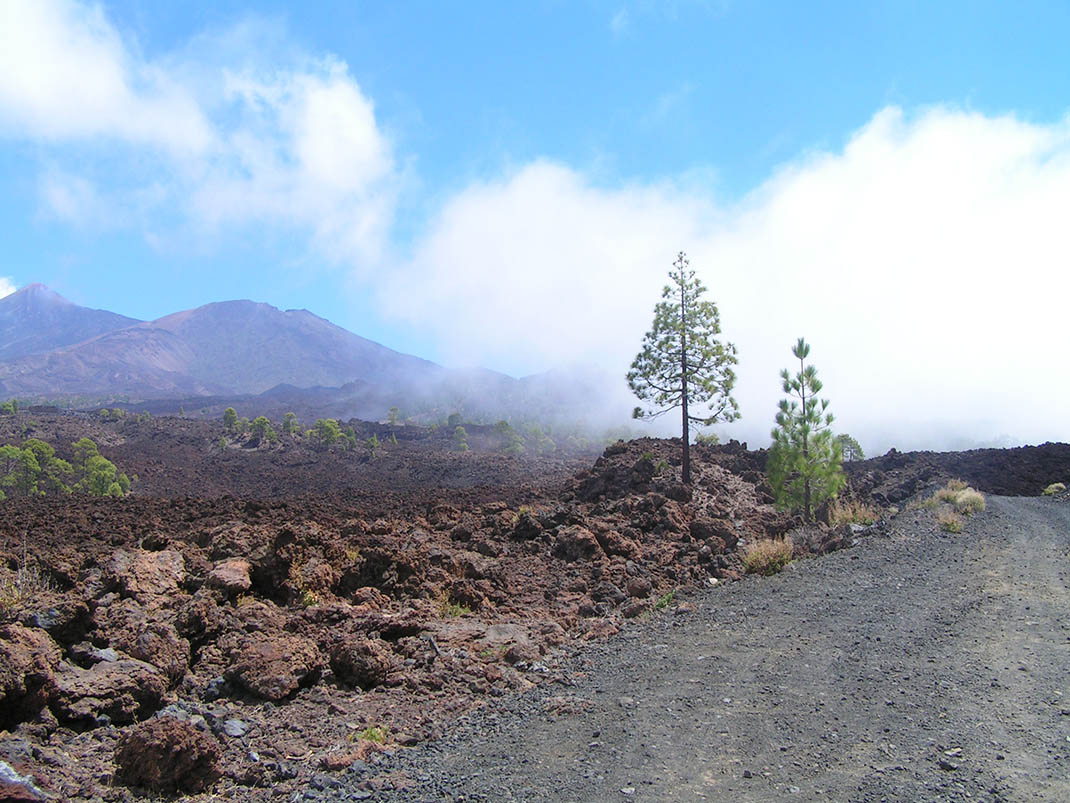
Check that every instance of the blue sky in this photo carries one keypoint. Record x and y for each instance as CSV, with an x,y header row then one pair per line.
x,y
506,184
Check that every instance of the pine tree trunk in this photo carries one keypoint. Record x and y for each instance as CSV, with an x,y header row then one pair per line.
x,y
685,474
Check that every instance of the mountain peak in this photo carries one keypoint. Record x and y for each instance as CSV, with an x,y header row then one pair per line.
x,y
38,293
36,318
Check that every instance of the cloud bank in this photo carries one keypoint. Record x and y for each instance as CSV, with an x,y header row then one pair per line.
x,y
925,260
7,286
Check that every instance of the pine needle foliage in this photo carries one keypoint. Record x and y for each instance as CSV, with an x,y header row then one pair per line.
x,y
804,464
682,364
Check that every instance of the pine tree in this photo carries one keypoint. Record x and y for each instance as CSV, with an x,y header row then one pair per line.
x,y
683,364
804,462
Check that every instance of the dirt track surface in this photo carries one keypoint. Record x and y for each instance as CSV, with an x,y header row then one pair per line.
x,y
919,665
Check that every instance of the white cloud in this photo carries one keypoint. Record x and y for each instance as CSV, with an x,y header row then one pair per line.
x,y
7,286
291,142
925,262
65,72
618,23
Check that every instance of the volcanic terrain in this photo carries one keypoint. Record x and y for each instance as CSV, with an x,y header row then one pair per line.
x,y
256,622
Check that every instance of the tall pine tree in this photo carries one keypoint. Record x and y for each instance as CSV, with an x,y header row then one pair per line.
x,y
682,363
804,462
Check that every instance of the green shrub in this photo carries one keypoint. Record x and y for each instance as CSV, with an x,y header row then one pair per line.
x,y
1054,488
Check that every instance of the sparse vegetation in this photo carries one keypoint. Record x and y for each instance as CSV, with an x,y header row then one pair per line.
x,y
682,364
852,511
450,609
664,601
374,733
768,555
509,440
290,425
1054,488
950,521
955,501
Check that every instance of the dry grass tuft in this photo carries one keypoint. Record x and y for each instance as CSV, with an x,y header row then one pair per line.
x,y
852,512
1054,488
969,501
18,586
768,556
950,521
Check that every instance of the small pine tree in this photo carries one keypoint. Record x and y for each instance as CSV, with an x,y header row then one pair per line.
x,y
230,419
804,462
393,416
849,448
289,424
460,439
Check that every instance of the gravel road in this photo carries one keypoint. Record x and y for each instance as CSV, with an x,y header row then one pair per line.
x,y
917,666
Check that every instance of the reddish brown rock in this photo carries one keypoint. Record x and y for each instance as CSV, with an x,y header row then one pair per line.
x,y
28,659
576,543
524,651
705,529
122,690
147,576
614,543
636,608
231,576
600,630
168,755
143,635
275,667
639,587
365,663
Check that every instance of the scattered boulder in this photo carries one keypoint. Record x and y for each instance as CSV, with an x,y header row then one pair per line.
x,y
168,755
576,543
703,529
232,576
276,667
639,587
146,576
365,663
28,658
110,691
